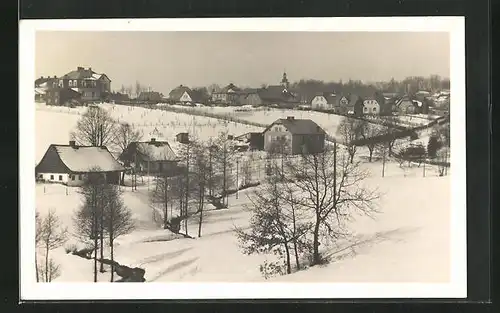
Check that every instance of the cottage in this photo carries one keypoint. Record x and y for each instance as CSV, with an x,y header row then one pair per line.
x,y
185,95
229,95
154,157
71,164
324,101
297,135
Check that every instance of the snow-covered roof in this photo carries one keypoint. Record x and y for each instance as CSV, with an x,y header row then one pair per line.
x,y
39,91
157,151
85,159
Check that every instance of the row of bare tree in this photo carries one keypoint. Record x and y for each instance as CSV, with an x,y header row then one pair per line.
x,y
303,202
209,172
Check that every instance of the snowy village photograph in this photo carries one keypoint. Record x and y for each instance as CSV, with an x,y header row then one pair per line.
x,y
242,157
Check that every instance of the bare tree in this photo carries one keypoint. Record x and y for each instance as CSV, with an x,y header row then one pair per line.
x,y
125,135
382,150
350,130
223,159
369,132
88,220
272,228
332,190
95,128
38,239
52,236
442,158
117,219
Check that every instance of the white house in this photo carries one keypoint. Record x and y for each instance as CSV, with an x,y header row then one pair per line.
x,y
325,101
71,164
371,106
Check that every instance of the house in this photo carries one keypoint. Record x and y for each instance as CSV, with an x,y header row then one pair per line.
x,y
298,136
278,96
228,95
71,164
154,157
185,95
150,96
324,101
43,84
91,85
376,105
62,96
407,105
255,140
182,138
250,97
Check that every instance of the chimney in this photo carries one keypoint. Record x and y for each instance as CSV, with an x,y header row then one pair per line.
x,y
90,69
153,139
72,143
290,118
55,76
79,68
41,76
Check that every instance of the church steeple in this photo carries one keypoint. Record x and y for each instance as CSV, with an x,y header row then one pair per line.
x,y
284,80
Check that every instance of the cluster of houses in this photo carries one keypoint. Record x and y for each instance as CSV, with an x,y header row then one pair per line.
x,y
78,86
71,164
85,85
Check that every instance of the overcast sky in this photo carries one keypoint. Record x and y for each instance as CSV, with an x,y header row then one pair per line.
x,y
164,60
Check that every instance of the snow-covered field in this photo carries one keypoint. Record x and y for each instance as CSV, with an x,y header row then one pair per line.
x,y
409,241
54,124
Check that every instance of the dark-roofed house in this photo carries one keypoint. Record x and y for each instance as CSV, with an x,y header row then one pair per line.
x,y
300,135
71,164
228,95
155,157
355,105
91,85
185,95
278,96
324,101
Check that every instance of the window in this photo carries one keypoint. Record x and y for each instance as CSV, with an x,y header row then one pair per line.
x,y
70,83
60,177
365,109
51,177
75,83
72,177
80,177
374,109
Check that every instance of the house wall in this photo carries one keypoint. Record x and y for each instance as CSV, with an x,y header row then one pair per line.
x,y
319,102
312,143
371,107
54,177
275,132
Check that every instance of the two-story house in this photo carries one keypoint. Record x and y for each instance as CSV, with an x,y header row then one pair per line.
x,y
229,95
91,85
185,96
294,136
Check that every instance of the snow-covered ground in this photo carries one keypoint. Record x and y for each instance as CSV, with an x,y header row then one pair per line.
x,y
408,241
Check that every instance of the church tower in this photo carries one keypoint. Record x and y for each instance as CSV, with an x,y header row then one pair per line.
x,y
284,81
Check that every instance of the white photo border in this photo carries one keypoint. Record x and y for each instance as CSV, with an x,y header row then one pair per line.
x,y
30,290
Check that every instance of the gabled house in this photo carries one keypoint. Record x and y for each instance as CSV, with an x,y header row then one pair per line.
x,y
91,85
153,157
185,95
71,164
324,101
278,96
296,136
405,105
228,95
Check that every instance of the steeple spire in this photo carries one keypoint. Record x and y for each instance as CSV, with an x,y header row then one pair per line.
x,y
284,80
